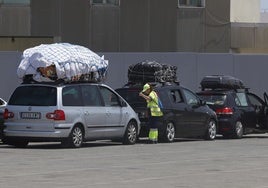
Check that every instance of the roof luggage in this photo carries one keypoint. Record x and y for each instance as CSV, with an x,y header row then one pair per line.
x,y
221,82
61,61
151,71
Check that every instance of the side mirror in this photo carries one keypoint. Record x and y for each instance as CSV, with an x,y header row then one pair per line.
x,y
123,103
203,103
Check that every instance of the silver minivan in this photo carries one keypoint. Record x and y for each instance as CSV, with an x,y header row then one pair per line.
x,y
69,113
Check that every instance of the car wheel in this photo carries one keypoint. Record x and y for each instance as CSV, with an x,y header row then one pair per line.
x,y
170,132
239,130
130,136
211,130
75,139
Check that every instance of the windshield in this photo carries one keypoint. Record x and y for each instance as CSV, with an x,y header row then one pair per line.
x,y
34,96
214,99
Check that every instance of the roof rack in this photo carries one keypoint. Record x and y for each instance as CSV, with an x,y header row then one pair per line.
x,y
154,84
28,79
225,89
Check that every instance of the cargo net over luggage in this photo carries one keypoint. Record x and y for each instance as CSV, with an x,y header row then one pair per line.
x,y
151,71
221,82
61,61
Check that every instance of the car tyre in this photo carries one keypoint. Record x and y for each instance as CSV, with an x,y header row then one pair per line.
x,y
131,134
75,139
170,132
211,130
238,130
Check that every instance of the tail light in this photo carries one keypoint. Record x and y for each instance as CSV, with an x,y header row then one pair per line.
x,y
8,114
56,115
224,111
143,114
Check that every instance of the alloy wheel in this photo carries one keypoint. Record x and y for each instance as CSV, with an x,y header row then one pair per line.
x,y
170,132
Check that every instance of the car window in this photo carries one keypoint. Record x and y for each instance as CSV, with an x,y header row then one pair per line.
x,y
254,100
91,96
175,96
34,96
191,98
2,102
213,99
71,96
241,99
110,98
131,96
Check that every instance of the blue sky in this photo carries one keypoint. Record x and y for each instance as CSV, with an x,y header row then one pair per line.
x,y
264,4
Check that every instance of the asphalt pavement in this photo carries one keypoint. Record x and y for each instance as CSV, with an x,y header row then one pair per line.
x,y
234,163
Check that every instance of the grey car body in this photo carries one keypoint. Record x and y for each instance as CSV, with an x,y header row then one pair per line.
x,y
70,113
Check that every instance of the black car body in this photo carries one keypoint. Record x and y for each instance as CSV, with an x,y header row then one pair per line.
x,y
185,115
239,112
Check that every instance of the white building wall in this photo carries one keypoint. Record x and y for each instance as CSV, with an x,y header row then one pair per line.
x,y
264,16
245,11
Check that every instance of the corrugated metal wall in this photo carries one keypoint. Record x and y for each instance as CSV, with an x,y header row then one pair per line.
x,y
148,25
45,17
15,21
217,26
105,28
191,30
135,25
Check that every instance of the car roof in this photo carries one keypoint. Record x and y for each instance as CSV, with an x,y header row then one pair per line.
x,y
52,84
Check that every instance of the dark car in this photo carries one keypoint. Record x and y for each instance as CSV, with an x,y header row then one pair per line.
x,y
185,114
239,112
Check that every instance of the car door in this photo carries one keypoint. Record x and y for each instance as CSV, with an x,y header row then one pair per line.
x,y
175,110
195,114
248,115
94,111
260,107
113,112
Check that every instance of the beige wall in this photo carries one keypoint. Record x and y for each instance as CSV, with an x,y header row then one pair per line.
x,y
245,11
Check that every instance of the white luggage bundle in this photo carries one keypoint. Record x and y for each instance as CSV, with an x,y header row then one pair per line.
x,y
62,61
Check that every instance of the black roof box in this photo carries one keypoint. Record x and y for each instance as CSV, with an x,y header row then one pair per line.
x,y
221,82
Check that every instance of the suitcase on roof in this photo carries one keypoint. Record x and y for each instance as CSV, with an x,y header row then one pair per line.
x,y
221,82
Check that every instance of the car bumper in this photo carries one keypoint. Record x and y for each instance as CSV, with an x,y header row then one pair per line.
x,y
57,133
226,125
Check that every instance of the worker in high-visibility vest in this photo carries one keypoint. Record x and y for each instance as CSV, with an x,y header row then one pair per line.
x,y
155,111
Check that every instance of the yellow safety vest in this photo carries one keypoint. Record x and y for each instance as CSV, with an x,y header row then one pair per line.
x,y
153,105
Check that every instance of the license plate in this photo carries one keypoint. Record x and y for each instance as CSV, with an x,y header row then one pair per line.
x,y
30,115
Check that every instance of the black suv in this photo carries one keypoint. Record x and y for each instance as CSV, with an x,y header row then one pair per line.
x,y
185,114
239,112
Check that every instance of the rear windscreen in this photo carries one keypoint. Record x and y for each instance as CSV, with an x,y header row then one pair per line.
x,y
132,97
213,99
34,96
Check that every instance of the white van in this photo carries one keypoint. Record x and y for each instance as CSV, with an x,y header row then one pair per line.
x,y
69,113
